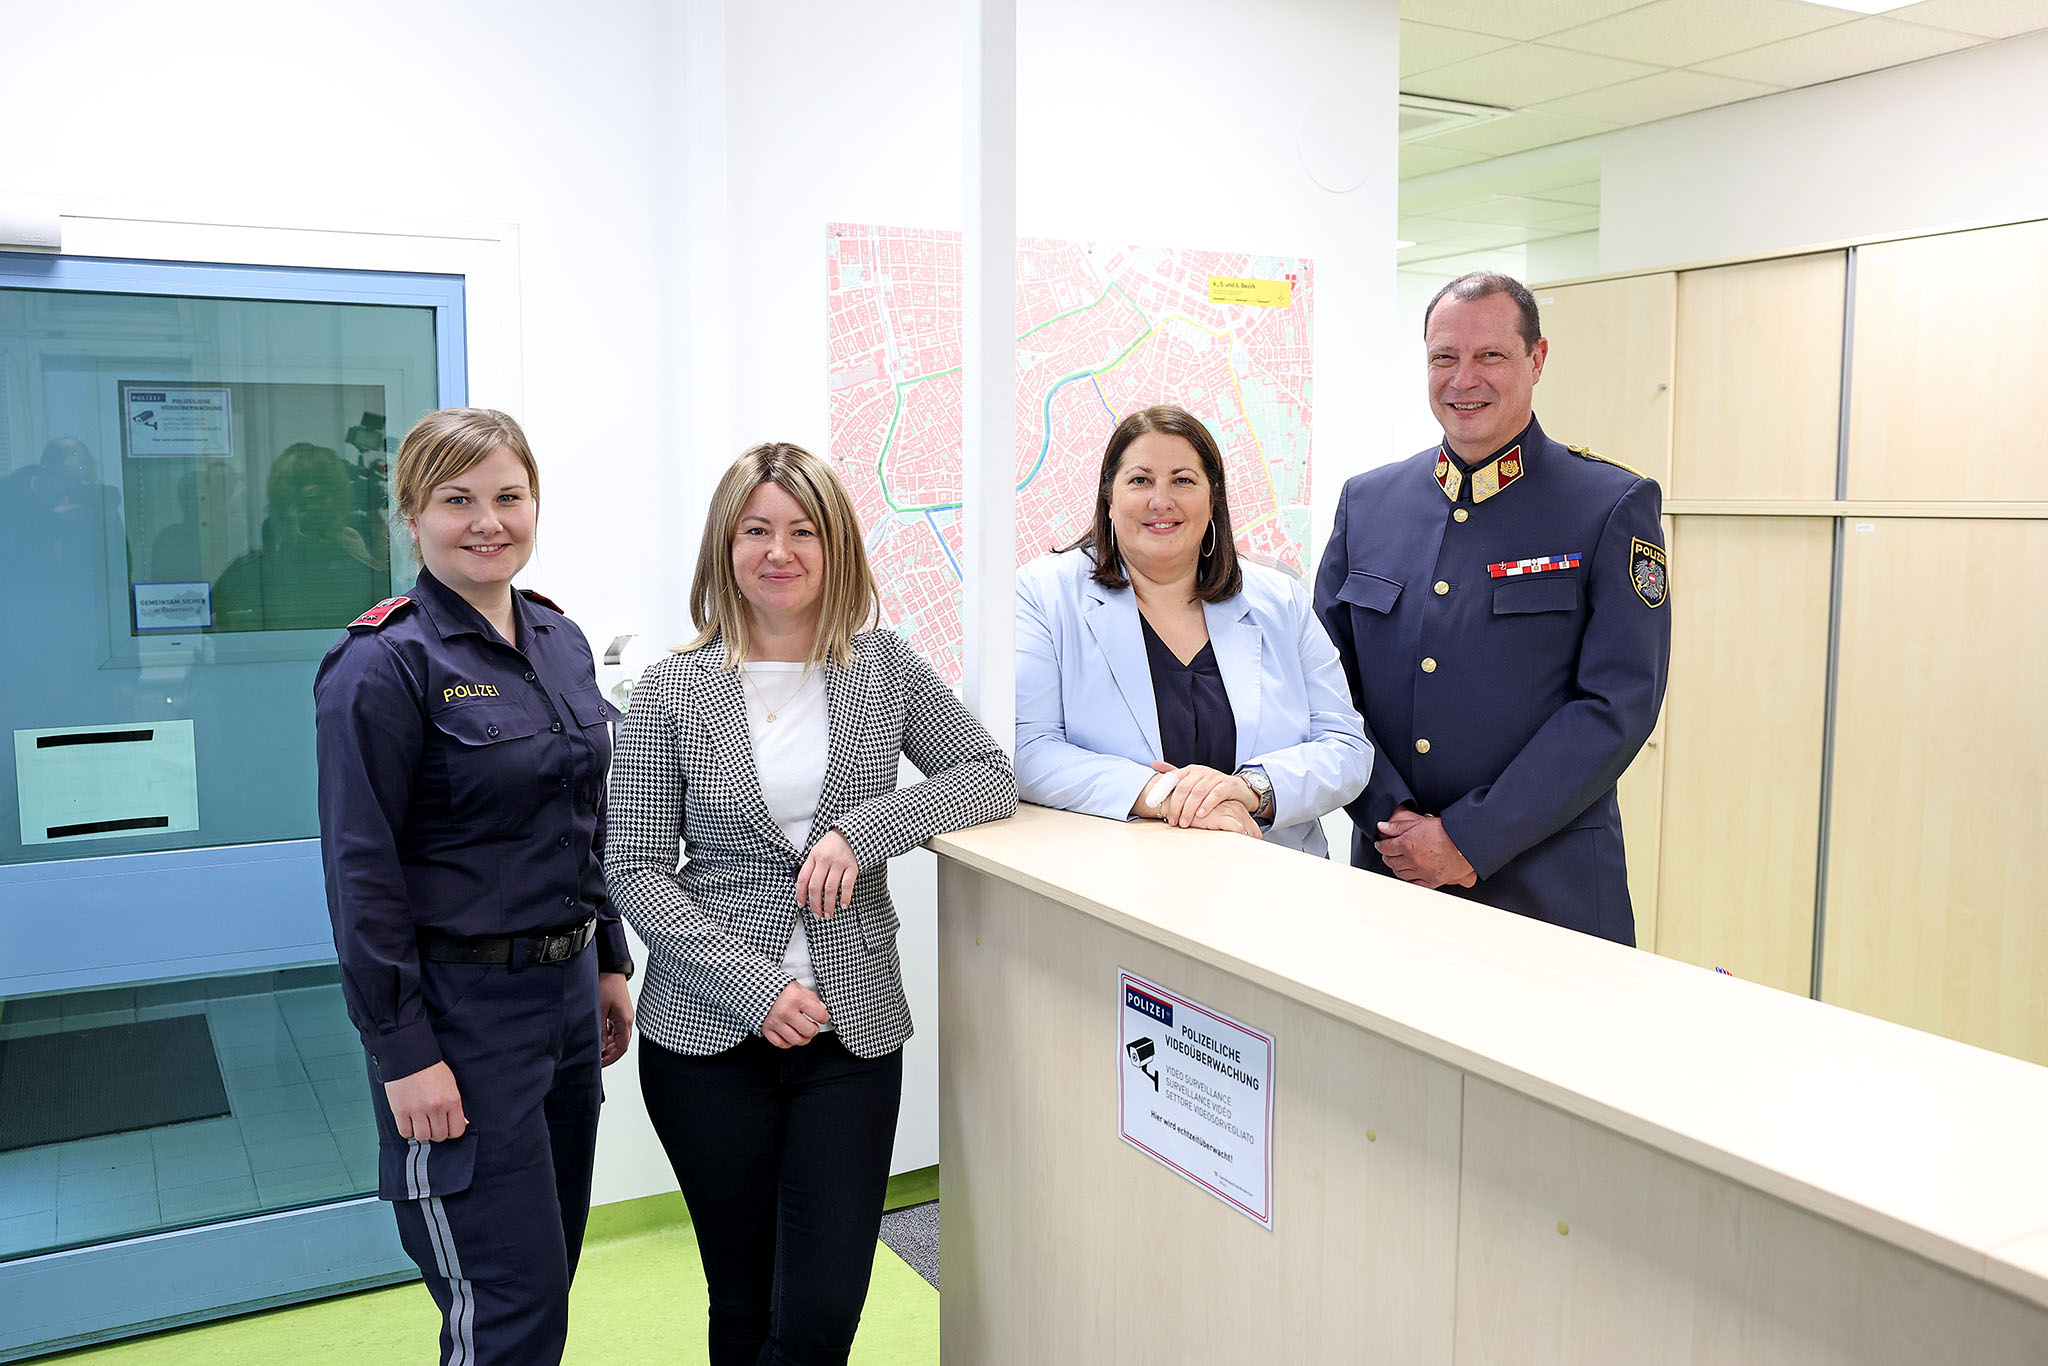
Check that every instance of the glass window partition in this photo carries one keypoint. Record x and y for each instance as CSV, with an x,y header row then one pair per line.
x,y
195,500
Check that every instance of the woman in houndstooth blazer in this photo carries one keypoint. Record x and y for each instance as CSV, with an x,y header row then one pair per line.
x,y
773,1010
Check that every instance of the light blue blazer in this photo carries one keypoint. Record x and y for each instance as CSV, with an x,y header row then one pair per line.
x,y
1088,725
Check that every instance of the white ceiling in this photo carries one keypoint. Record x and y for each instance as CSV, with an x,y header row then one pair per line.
x,y
1572,68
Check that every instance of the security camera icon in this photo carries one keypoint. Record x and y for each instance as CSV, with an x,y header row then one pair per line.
x,y
147,418
1140,1052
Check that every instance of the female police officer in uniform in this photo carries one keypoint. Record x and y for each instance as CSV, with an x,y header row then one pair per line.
x,y
463,748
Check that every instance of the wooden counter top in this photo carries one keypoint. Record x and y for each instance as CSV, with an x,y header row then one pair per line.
x,y
1924,1143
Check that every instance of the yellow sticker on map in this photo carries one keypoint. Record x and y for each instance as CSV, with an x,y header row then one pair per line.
x,y
1267,293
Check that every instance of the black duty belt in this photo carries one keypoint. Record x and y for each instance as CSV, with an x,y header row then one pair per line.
x,y
549,946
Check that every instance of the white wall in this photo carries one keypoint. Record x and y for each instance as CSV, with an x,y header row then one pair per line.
x,y
1936,144
638,193
1139,120
523,152
1948,141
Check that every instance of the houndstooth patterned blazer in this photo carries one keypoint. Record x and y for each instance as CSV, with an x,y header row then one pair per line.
x,y
717,926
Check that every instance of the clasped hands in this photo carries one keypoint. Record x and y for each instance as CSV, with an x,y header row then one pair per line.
x,y
1203,799
824,886
1417,849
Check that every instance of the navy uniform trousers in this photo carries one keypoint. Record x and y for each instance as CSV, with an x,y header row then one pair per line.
x,y
495,1218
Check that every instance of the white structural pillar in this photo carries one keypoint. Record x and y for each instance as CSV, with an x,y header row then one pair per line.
x,y
989,365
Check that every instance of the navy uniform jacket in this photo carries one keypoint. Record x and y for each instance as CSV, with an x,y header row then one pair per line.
x,y
1507,647
462,788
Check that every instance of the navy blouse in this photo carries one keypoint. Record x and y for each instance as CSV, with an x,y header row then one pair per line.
x,y
1195,722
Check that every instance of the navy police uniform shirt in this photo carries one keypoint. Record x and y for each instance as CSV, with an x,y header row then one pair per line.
x,y
462,789
1505,634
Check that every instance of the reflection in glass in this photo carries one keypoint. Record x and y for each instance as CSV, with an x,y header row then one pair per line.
x,y
297,1128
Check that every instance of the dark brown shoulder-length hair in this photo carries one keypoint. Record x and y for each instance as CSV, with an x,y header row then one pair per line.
x,y
1217,573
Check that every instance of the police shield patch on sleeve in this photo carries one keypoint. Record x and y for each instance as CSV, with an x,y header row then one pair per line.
x,y
1647,569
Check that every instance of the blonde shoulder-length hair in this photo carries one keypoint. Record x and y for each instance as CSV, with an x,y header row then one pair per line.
x,y
849,603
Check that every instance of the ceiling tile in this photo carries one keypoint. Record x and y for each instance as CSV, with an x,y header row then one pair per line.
x,y
1425,46
1588,193
1435,227
1542,179
1550,178
1519,76
1508,260
1419,158
1519,210
1657,97
1511,18
1586,220
1683,32
1985,18
1845,50
1479,239
1519,133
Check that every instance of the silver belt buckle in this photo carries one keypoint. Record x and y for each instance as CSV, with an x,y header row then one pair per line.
x,y
557,948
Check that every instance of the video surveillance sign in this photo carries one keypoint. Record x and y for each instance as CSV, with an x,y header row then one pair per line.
x,y
1195,1091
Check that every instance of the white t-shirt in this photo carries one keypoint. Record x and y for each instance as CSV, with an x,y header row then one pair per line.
x,y
789,759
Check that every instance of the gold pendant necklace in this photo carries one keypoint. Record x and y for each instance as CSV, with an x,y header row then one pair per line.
x,y
802,679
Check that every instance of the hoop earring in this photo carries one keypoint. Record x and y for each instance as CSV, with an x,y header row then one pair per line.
x,y
1210,548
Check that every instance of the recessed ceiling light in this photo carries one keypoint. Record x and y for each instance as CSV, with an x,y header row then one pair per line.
x,y
1865,6
1398,244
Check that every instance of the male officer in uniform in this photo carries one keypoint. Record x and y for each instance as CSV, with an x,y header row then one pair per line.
x,y
1499,604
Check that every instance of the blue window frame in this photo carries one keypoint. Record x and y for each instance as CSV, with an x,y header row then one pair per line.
x,y
172,435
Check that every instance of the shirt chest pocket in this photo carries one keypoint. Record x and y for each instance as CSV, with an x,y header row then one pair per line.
x,y
589,708
1539,593
1373,592
485,753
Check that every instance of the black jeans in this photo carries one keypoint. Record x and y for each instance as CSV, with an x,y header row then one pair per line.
x,y
783,1156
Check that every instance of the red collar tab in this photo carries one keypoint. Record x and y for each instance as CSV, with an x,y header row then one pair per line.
x,y
375,618
546,602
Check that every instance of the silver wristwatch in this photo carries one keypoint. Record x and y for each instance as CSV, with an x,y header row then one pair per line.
x,y
1262,788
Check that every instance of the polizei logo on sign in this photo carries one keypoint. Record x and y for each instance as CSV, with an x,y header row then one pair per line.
x,y
1148,1005
1195,1092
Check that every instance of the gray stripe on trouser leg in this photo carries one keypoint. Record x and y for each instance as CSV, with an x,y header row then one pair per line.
x,y
462,1296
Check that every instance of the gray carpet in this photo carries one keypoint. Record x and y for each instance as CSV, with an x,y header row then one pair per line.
x,y
913,1235
81,1083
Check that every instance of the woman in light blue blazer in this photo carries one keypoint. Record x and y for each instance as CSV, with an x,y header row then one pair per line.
x,y
1149,649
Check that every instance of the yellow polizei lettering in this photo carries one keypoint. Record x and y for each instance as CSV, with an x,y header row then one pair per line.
x,y
469,690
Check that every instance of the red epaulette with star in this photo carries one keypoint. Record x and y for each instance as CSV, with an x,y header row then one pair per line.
x,y
384,611
542,599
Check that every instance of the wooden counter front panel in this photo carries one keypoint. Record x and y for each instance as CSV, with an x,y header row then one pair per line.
x,y
1064,1244
1937,862
1577,1247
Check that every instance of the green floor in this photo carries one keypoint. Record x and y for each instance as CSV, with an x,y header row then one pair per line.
x,y
639,1297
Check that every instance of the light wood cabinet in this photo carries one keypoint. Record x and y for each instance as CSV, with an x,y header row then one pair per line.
x,y
1607,382
1937,866
1744,719
1882,579
1759,380
1951,342
1607,386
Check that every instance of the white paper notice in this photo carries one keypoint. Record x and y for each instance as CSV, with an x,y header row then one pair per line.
x,y
106,782
1195,1090
179,419
173,606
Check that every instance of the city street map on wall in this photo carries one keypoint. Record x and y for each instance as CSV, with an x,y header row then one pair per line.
x,y
1103,330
